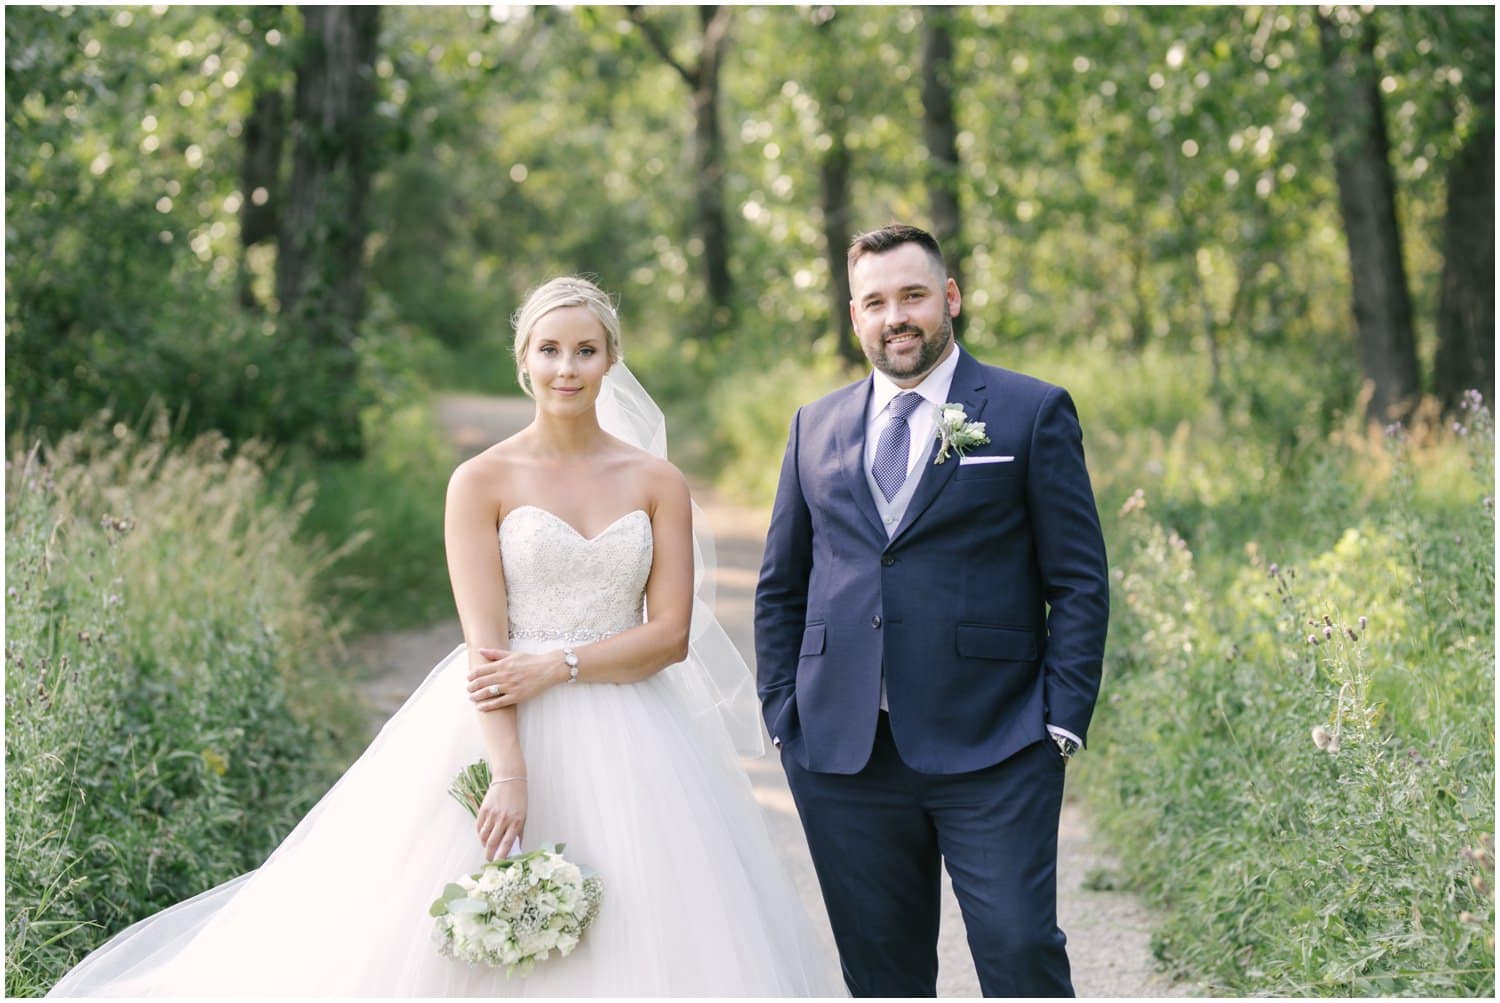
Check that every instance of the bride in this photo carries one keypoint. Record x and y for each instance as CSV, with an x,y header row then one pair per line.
x,y
608,704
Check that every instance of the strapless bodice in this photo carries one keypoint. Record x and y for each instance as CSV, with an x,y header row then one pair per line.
x,y
565,587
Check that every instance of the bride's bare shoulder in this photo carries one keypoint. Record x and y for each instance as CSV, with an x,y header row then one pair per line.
x,y
659,479
486,472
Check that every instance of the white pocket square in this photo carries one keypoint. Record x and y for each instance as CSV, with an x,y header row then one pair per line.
x,y
964,461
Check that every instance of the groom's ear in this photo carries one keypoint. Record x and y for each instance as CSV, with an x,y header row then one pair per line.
x,y
955,298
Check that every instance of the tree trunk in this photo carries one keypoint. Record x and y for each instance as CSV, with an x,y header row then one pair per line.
x,y
940,135
1466,310
1367,201
827,81
708,149
320,264
833,190
261,187
260,178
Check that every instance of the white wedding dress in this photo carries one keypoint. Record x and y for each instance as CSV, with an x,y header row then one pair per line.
x,y
639,784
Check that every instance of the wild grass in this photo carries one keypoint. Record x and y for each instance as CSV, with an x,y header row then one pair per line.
x,y
1295,751
173,697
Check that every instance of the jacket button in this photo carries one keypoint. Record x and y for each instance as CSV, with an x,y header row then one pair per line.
x,y
875,622
887,561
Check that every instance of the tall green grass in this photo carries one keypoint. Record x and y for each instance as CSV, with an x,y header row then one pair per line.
x,y
1295,751
173,697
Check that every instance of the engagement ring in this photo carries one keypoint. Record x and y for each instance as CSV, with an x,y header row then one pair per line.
x,y
494,691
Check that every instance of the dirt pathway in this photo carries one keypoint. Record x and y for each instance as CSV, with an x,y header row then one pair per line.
x,y
1108,932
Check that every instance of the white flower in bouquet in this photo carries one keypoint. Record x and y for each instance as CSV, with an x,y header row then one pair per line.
x,y
542,870
482,919
517,911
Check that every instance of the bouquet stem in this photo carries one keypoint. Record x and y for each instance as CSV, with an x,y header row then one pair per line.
x,y
470,785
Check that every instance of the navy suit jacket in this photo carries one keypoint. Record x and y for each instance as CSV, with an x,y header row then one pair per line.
x,y
988,607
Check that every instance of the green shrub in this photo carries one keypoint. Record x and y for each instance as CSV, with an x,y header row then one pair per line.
x,y
384,511
173,704
1297,758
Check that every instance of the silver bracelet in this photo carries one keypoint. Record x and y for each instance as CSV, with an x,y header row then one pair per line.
x,y
505,780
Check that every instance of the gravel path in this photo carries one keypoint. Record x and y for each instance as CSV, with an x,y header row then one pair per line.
x,y
1108,931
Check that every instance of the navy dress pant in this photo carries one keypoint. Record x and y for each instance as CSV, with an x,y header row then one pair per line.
x,y
878,838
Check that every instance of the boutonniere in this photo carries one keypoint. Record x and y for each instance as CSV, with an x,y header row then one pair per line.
x,y
956,433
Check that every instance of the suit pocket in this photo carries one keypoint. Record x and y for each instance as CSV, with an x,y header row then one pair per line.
x,y
1001,644
812,639
987,471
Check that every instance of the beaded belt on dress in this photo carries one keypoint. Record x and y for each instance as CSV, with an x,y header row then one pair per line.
x,y
544,634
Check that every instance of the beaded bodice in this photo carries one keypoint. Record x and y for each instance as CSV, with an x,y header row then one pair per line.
x,y
563,586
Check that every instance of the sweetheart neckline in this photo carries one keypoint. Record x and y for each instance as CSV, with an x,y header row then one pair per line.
x,y
569,525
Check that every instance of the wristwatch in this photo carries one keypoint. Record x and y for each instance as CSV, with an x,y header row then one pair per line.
x,y
1065,745
571,661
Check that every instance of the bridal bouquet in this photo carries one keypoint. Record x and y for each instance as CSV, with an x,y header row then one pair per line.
x,y
517,911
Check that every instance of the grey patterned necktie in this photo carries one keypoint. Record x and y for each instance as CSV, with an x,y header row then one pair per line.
x,y
893,451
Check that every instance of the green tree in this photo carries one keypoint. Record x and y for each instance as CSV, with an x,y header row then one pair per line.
x,y
940,136
320,259
263,143
1367,200
702,78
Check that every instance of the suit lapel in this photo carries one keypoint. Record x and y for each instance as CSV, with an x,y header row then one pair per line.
x,y
849,444
967,389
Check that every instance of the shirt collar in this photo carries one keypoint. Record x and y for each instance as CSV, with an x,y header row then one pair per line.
x,y
934,387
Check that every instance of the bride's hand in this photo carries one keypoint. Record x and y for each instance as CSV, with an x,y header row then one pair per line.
x,y
506,679
502,818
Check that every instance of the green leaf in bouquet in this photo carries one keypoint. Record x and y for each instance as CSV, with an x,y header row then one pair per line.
x,y
451,892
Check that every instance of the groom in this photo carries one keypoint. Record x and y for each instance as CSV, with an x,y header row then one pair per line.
x,y
929,626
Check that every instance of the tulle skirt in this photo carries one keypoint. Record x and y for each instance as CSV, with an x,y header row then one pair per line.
x,y
696,902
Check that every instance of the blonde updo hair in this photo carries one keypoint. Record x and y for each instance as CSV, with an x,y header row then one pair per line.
x,y
563,291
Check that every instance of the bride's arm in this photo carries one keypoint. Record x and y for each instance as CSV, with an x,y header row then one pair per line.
x,y
630,655
470,528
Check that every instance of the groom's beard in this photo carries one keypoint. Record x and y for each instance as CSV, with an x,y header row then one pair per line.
x,y
933,347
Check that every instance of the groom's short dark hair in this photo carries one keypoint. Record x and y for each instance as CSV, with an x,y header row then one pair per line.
x,y
893,235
